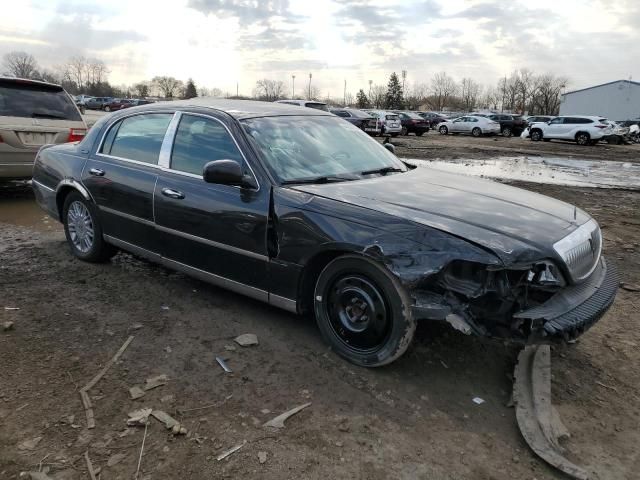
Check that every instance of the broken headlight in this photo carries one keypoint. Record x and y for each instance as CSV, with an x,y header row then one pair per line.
x,y
545,274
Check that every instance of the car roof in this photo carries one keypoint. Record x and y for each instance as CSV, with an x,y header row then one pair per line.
x,y
241,109
28,81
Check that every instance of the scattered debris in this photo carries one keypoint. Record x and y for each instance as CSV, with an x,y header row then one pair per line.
x,y
92,473
278,422
36,475
163,417
6,326
609,387
164,307
31,444
155,382
139,417
262,457
538,420
224,365
246,339
12,308
167,399
629,288
224,455
141,451
115,459
136,326
444,364
136,392
86,401
230,348
478,400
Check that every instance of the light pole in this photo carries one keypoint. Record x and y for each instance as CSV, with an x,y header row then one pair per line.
x,y
345,92
310,86
293,86
237,89
404,77
370,83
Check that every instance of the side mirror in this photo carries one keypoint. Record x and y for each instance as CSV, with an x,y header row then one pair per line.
x,y
227,172
391,147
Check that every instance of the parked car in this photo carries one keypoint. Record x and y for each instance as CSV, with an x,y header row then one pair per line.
x,y
134,102
584,130
362,120
434,118
472,124
297,208
509,124
413,123
33,114
539,118
83,98
390,122
115,104
97,103
306,103
618,135
79,103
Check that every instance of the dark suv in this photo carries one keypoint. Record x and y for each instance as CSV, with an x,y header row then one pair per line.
x,y
509,124
432,117
360,119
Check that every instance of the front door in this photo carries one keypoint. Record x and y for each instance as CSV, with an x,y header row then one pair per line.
x,y
121,174
217,229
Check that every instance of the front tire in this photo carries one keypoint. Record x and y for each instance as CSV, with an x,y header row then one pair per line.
x,y
476,132
506,132
405,131
107,108
536,136
443,130
363,312
83,230
583,138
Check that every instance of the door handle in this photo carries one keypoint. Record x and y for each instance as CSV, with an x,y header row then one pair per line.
x,y
167,192
97,172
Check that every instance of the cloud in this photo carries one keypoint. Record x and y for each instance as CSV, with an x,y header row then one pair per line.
x,y
246,11
272,38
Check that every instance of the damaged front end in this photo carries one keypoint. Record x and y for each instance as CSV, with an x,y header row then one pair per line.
x,y
533,301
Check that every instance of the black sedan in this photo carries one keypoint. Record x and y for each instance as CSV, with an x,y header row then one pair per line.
x,y
362,120
413,123
300,209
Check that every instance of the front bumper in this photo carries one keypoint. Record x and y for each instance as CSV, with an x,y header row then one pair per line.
x,y
573,310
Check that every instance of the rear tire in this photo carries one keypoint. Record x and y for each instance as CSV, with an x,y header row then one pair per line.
x,y
583,138
476,132
107,108
363,312
83,230
420,133
506,132
405,131
443,130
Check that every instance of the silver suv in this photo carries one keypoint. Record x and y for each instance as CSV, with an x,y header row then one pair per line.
x,y
33,114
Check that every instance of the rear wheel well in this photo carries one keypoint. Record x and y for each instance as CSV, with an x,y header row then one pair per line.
x,y
580,132
310,276
60,198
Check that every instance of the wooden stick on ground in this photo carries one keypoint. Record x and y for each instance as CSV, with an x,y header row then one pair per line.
x,y
92,474
141,450
84,395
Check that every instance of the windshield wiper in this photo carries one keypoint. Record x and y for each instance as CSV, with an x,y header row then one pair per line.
x,y
382,171
48,115
322,179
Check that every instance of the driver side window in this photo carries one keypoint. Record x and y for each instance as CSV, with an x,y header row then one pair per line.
x,y
556,121
201,140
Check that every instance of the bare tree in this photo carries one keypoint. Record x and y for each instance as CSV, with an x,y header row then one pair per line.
x,y
269,90
20,64
210,92
416,96
491,99
168,86
315,93
443,87
547,95
378,96
469,94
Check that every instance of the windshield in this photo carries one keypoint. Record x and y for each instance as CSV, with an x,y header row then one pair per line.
x,y
307,147
36,101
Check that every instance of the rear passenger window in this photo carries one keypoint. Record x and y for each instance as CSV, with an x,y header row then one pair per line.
x,y
137,138
199,141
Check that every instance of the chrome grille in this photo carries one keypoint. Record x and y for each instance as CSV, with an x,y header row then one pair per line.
x,y
580,250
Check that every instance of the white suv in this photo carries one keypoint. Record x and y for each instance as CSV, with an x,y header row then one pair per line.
x,y
391,124
583,130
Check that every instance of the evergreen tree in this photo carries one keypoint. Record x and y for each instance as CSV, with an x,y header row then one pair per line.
x,y
190,90
394,99
361,100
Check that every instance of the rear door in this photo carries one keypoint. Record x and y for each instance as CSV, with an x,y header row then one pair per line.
x,y
32,115
217,229
121,174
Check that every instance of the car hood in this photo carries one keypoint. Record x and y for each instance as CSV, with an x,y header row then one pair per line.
x,y
515,224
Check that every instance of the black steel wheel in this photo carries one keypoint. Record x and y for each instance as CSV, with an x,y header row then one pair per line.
x,y
362,311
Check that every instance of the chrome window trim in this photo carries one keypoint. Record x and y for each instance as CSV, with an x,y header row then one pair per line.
x,y
244,157
166,149
122,118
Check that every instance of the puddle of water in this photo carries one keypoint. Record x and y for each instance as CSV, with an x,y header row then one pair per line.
x,y
18,207
550,170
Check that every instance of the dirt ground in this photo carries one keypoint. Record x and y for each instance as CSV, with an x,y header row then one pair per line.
x,y
414,419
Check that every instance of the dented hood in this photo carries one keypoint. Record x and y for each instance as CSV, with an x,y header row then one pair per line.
x,y
502,218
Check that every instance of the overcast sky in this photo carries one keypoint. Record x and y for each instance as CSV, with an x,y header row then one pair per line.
x,y
221,42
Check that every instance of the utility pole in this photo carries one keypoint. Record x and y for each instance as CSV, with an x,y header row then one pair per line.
x,y
310,86
370,82
237,89
345,92
404,77
504,92
293,86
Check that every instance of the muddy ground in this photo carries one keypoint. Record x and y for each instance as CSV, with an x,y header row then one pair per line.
x,y
412,419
